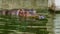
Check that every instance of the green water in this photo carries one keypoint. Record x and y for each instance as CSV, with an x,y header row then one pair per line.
x,y
14,23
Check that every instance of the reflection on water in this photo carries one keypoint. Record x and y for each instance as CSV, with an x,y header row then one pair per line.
x,y
57,24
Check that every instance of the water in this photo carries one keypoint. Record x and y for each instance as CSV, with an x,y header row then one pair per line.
x,y
57,24
12,24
